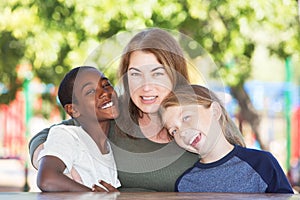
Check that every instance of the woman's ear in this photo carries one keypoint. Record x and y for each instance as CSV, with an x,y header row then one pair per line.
x,y
71,110
217,110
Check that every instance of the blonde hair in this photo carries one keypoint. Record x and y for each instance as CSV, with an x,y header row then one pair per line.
x,y
199,95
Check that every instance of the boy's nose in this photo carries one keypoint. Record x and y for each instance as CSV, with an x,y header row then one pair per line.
x,y
103,94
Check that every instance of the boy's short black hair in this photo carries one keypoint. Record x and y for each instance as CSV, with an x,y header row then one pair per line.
x,y
65,90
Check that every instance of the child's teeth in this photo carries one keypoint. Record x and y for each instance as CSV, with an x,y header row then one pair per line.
x,y
107,105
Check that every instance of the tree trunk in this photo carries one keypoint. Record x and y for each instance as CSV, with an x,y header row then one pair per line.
x,y
248,112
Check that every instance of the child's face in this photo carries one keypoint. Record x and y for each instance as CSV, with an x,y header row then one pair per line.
x,y
194,127
96,98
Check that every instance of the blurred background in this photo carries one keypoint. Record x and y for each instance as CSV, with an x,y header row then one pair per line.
x,y
254,45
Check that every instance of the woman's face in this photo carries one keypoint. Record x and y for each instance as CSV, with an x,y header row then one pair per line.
x,y
148,81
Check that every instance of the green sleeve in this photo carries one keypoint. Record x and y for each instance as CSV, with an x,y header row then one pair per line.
x,y
41,136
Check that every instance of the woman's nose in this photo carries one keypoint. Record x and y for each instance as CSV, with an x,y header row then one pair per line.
x,y
147,83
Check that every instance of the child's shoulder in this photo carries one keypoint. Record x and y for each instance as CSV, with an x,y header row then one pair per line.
x,y
253,154
62,129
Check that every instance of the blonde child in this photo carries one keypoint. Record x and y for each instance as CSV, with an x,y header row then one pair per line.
x,y
197,120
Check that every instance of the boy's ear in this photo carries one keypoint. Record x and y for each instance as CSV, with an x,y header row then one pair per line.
x,y
72,110
217,110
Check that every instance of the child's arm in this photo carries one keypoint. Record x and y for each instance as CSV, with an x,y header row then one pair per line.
x,y
109,187
51,178
279,182
36,142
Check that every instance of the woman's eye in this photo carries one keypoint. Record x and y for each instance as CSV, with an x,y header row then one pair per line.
x,y
134,74
156,74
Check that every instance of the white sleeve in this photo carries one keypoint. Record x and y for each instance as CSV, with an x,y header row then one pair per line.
x,y
62,144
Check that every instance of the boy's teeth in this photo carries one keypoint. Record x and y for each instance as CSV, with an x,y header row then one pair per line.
x,y
107,105
148,98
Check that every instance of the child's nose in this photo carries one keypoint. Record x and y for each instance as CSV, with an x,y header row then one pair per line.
x,y
103,94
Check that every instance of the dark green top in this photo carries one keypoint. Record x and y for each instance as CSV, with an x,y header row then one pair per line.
x,y
142,164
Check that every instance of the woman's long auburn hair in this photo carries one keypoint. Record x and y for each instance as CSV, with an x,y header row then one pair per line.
x,y
167,51
199,95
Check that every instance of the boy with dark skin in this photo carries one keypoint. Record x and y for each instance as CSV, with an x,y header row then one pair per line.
x,y
82,151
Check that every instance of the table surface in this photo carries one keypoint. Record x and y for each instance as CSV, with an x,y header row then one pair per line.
x,y
141,195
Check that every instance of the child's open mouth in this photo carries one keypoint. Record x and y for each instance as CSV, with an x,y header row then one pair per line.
x,y
196,140
107,105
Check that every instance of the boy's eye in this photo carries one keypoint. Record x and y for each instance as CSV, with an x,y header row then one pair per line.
x,y
186,118
91,91
106,84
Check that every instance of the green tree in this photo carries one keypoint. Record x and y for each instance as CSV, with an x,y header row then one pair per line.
x,y
54,35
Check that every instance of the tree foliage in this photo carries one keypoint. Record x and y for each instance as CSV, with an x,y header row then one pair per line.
x,y
55,35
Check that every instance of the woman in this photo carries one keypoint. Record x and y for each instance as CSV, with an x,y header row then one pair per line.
x,y
152,65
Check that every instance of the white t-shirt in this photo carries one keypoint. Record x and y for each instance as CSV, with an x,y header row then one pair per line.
x,y
77,150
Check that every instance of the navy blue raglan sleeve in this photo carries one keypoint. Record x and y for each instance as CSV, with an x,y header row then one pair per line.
x,y
266,165
278,182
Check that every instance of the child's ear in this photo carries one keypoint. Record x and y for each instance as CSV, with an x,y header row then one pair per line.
x,y
72,110
217,110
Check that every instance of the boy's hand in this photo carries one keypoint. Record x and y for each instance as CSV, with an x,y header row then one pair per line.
x,y
108,187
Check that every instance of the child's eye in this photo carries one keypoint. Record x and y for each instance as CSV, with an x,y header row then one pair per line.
x,y
91,91
172,131
106,84
186,118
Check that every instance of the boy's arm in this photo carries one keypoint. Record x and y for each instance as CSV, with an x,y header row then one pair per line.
x,y
36,143
51,178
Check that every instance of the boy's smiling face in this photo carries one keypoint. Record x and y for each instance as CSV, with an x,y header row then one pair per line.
x,y
96,99
193,127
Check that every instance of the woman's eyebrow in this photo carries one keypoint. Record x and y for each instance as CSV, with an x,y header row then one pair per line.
x,y
157,68
133,68
154,69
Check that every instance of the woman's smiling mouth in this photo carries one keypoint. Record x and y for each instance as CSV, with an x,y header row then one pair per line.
x,y
148,99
